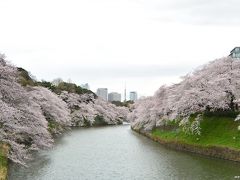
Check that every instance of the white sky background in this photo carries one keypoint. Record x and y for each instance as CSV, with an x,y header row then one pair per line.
x,y
145,43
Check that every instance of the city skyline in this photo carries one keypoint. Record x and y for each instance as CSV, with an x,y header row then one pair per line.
x,y
104,93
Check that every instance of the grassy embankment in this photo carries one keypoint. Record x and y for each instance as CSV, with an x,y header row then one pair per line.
x,y
3,161
217,131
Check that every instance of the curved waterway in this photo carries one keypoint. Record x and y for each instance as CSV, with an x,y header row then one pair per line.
x,y
116,152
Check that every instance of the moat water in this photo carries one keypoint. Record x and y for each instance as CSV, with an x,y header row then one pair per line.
x,y
116,152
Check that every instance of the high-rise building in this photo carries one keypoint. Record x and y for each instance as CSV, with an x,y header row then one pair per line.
x,y
235,53
85,86
114,96
103,93
133,96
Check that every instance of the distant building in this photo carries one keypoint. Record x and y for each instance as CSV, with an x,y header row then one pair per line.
x,y
103,93
235,53
114,96
85,86
125,93
133,96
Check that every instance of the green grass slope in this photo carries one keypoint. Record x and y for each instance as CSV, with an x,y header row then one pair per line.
x,y
3,161
219,131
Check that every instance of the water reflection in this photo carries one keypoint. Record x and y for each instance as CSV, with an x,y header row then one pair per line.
x,y
34,168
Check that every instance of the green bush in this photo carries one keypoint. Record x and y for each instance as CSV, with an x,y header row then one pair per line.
x,y
64,86
99,121
25,78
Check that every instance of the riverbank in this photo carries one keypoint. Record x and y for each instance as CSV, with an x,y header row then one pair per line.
x,y
4,149
219,138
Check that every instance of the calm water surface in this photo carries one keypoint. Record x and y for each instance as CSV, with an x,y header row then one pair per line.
x,y
118,153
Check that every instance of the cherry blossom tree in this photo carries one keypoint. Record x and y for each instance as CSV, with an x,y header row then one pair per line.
x,y
22,124
85,108
212,87
54,109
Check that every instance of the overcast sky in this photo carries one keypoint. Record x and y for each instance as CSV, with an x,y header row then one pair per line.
x,y
145,43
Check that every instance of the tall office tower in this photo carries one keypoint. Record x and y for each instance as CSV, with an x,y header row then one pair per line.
x,y
103,93
114,96
133,96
